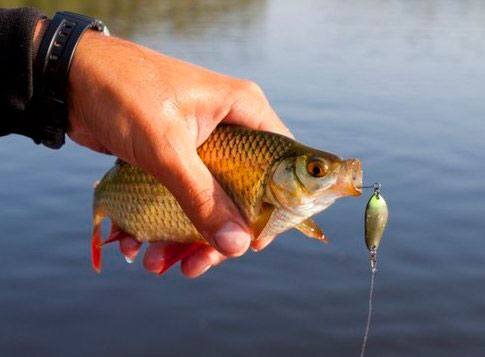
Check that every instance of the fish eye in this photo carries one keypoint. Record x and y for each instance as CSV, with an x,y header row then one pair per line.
x,y
317,168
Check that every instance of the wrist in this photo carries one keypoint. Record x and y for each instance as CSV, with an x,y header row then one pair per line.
x,y
86,54
55,51
83,74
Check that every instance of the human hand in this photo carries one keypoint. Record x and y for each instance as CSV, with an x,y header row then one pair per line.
x,y
153,111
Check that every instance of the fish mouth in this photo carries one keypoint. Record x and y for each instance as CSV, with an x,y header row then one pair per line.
x,y
351,178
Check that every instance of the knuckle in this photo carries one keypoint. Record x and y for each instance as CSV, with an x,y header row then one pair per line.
x,y
169,108
252,88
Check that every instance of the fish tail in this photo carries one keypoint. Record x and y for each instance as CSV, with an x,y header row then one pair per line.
x,y
97,239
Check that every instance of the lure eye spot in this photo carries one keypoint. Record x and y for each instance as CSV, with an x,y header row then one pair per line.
x,y
317,168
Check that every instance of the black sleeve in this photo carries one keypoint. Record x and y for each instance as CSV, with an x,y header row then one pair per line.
x,y
16,71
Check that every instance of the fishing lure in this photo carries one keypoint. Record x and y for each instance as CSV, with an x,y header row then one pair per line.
x,y
375,221
376,216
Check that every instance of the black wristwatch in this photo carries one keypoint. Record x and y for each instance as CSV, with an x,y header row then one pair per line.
x,y
51,71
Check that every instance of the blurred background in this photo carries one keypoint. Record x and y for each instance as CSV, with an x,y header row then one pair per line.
x,y
398,84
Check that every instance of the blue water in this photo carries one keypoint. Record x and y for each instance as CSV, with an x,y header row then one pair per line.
x,y
398,84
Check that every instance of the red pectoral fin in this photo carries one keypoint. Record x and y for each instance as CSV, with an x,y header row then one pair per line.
x,y
174,252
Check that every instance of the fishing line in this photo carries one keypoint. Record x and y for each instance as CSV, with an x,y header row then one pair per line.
x,y
376,186
369,311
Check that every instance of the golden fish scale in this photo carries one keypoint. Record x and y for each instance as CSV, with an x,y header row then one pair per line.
x,y
239,159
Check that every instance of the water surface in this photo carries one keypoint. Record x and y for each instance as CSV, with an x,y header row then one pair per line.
x,y
398,84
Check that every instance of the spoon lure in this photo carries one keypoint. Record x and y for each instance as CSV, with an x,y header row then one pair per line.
x,y
375,221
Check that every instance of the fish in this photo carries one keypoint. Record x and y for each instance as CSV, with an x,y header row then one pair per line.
x,y
276,183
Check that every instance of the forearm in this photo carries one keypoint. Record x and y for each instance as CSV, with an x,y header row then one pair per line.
x,y
17,51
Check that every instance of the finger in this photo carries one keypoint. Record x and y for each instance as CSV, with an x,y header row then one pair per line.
x,y
174,160
252,109
129,247
153,259
199,262
261,243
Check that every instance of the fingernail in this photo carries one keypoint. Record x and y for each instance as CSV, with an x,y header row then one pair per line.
x,y
129,260
232,239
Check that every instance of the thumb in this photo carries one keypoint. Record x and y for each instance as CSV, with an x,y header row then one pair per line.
x,y
178,166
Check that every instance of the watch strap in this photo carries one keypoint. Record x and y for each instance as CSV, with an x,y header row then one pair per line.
x,y
52,67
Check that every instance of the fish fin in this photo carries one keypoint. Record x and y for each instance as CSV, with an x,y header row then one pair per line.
x,y
174,252
263,218
279,221
97,240
115,234
261,243
309,228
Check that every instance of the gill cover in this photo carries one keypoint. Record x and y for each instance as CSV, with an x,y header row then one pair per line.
x,y
298,180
